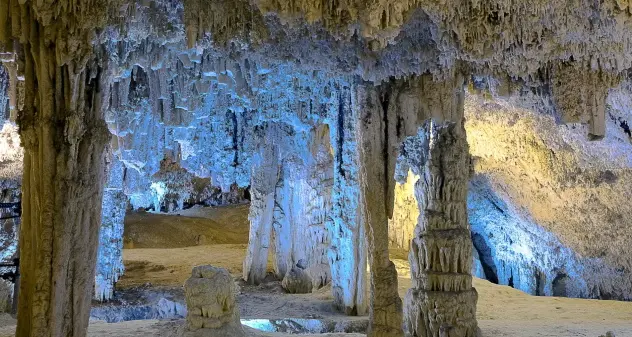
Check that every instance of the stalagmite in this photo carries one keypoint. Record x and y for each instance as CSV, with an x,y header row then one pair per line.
x,y
442,301
211,305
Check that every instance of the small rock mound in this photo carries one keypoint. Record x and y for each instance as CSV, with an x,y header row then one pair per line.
x,y
211,305
297,280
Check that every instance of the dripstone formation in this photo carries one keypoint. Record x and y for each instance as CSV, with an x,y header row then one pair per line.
x,y
308,103
441,301
211,306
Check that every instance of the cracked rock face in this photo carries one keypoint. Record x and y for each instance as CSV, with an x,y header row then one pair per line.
x,y
211,306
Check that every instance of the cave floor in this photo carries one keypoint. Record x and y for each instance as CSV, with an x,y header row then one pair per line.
x,y
502,311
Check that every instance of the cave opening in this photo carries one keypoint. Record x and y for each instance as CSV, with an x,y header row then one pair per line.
x,y
560,285
486,257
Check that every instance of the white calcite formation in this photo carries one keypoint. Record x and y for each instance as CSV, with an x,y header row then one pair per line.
x,y
211,306
110,254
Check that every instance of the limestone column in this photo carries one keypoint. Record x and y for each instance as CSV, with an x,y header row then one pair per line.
x,y
264,178
442,301
63,134
376,183
347,249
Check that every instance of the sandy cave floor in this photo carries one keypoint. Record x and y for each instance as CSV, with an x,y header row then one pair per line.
x,y
219,236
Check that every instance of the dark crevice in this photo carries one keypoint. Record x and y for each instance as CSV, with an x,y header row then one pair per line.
x,y
384,101
626,128
559,285
341,133
540,281
233,117
486,258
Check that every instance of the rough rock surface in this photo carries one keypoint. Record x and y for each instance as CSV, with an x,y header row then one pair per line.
x,y
211,306
297,281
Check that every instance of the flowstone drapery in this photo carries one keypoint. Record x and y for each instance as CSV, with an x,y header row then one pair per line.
x,y
110,253
348,250
290,203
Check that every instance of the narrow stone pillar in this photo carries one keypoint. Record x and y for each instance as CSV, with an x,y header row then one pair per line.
x,y
348,249
64,135
264,178
376,181
441,301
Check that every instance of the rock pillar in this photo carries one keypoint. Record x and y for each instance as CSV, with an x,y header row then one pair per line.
x,y
347,250
264,178
376,183
442,301
64,135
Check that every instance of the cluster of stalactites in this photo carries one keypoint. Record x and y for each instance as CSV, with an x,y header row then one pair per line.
x,y
224,20
580,92
517,37
69,25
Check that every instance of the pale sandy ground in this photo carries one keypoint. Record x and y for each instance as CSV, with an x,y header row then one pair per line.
x,y
502,311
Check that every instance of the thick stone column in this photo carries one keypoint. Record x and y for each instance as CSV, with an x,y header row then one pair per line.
x,y
376,184
348,249
442,301
63,134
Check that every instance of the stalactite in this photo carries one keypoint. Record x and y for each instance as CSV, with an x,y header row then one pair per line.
x,y
580,92
110,253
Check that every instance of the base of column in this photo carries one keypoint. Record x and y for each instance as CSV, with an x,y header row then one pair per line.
x,y
440,314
